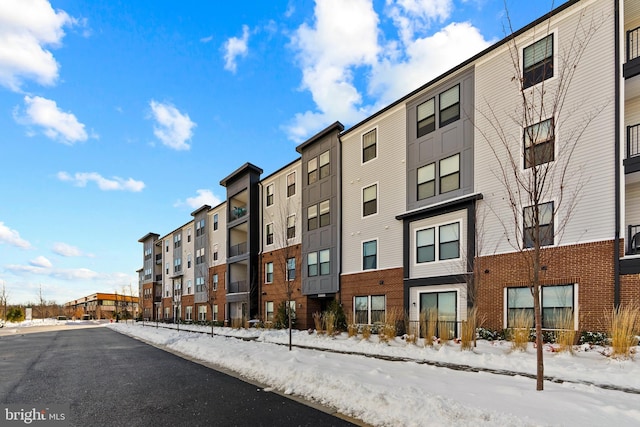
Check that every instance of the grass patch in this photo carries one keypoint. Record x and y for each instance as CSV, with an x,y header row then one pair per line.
x,y
624,324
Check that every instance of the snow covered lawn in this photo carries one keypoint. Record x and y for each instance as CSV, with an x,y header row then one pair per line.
x,y
412,392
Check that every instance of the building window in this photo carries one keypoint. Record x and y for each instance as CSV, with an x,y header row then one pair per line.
x,y
270,234
166,266
369,146
200,227
370,200
166,245
291,184
215,312
426,245
325,262
202,313
312,217
312,170
449,240
177,241
215,222
369,255
189,261
269,195
312,264
268,272
291,269
215,282
450,174
188,235
268,309
324,213
444,304
450,105
200,284
426,117
177,265
324,164
539,143
291,226
545,222
188,312
200,256
537,62
556,303
427,181
369,309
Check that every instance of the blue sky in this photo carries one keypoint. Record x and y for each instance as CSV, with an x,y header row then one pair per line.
x,y
120,118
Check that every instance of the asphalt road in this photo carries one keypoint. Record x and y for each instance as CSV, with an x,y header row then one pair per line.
x,y
109,379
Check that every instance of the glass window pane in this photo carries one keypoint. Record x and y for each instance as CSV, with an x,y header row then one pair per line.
x,y
369,139
313,164
369,193
426,254
557,296
312,258
324,207
449,97
426,237
312,211
426,109
427,173
325,255
538,51
450,183
447,306
427,189
369,248
519,298
449,250
377,302
450,165
546,213
450,232
324,158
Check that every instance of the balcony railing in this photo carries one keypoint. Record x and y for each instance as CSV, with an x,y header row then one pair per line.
x,y
633,239
239,286
238,212
239,249
633,44
633,141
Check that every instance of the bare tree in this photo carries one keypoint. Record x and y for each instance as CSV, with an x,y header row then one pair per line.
x,y
212,289
42,303
537,180
4,299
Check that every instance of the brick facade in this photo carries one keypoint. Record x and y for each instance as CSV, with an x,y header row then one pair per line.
x,y
376,282
589,265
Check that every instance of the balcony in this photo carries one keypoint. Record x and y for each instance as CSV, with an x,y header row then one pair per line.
x,y
239,249
632,160
237,212
632,65
158,259
238,287
633,240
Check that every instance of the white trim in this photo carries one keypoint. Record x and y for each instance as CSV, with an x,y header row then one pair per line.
x,y
362,134
362,242
377,184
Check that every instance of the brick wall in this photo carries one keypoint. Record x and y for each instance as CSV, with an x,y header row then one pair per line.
x,y
589,265
369,283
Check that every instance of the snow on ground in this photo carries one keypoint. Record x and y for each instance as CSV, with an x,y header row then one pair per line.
x,y
410,393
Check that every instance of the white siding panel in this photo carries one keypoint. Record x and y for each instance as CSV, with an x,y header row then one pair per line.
x,y
388,171
591,168
282,207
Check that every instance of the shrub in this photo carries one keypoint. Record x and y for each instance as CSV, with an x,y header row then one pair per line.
x,y
387,331
317,321
282,317
336,309
366,332
428,324
489,335
521,330
624,323
329,320
14,314
565,335
594,338
467,334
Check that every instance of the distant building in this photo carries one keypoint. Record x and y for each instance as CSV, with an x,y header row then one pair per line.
x,y
103,306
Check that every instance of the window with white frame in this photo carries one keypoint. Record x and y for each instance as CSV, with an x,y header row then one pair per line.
x,y
537,63
268,272
189,283
200,256
269,194
188,260
200,284
188,235
166,266
369,145
370,255
167,312
291,226
166,245
188,312
291,184
450,173
370,200
268,310
543,216
557,304
539,143
177,265
269,234
291,268
177,240
312,170
369,309
200,227
215,282
215,312
441,243
202,313
215,222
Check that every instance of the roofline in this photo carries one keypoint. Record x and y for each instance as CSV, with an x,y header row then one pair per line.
x,y
332,127
244,168
200,209
466,63
288,165
146,236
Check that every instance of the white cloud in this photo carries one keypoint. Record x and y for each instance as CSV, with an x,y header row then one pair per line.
x,y
66,250
235,47
172,127
55,124
12,237
41,262
81,179
339,74
27,28
204,197
206,39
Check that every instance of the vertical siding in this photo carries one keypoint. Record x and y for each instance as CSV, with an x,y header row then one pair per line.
x,y
592,165
388,171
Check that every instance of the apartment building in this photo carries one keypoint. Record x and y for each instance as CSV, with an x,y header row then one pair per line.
x,y
427,204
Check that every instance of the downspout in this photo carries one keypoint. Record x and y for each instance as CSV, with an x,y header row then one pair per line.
x,y
616,242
